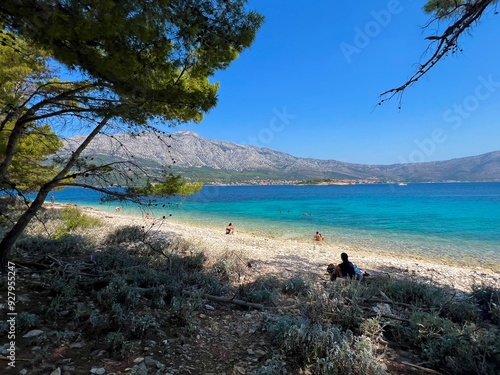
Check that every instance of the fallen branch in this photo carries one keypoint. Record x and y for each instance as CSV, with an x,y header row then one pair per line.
x,y
424,369
390,302
37,266
238,302
396,318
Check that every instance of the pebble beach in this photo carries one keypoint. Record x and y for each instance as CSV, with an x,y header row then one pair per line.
x,y
307,258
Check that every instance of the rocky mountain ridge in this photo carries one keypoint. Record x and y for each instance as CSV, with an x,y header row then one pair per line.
x,y
208,159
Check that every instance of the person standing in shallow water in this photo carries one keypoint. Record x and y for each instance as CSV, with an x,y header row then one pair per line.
x,y
318,237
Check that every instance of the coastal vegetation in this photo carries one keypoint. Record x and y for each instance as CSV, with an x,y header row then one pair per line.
x,y
104,67
119,290
135,299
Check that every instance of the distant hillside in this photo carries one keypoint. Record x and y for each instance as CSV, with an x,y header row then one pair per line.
x,y
211,160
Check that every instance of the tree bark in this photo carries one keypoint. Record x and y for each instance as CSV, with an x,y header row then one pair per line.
x,y
13,235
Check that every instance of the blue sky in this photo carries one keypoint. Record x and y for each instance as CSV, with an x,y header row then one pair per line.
x,y
310,84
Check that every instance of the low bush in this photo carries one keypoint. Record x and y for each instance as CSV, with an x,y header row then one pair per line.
x,y
295,286
70,244
117,343
323,348
230,266
415,293
264,290
26,321
73,218
339,305
129,233
488,300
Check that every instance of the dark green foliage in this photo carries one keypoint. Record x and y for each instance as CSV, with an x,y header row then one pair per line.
x,y
117,343
118,291
414,293
201,36
193,263
141,64
26,321
337,305
264,290
230,266
460,311
295,286
488,300
129,233
330,349
68,244
73,218
446,331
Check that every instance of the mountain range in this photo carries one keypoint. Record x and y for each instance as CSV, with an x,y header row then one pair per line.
x,y
225,162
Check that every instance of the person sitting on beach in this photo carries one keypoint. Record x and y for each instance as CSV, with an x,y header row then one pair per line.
x,y
318,237
344,270
230,229
118,209
148,216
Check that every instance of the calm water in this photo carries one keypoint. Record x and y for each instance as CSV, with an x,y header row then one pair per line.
x,y
460,221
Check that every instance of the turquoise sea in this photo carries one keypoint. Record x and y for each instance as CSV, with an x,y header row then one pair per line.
x,y
458,221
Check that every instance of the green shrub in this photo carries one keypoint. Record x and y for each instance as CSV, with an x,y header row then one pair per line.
x,y
4,222
324,348
192,263
230,266
63,289
208,283
449,347
264,290
295,286
182,312
73,218
488,300
339,305
177,245
415,293
26,320
460,311
129,233
68,244
117,291
117,344
99,323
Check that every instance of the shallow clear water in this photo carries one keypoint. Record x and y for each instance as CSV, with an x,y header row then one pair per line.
x,y
459,221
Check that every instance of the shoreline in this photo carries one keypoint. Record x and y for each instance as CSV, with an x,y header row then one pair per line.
x,y
424,248
287,258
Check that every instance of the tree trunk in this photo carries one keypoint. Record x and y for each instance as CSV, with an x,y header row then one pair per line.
x,y
13,235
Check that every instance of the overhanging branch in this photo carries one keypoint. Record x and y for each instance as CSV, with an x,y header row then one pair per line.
x,y
471,12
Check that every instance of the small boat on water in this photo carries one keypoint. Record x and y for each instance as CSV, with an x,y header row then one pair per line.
x,y
402,183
